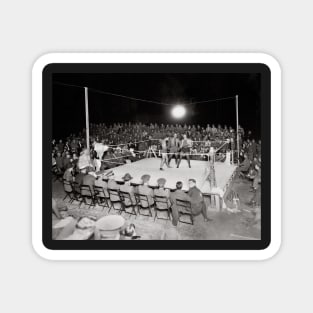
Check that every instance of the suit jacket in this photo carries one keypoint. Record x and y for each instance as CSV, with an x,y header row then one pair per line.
x,y
196,200
179,194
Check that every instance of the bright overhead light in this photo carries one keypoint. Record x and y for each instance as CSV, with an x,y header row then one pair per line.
x,y
178,111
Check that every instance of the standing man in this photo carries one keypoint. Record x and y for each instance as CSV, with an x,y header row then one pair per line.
x,y
164,159
185,146
173,145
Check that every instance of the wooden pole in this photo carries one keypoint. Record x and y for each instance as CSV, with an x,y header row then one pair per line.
x,y
237,125
87,118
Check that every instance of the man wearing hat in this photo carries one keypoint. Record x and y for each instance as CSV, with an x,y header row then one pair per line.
x,y
144,189
162,192
127,187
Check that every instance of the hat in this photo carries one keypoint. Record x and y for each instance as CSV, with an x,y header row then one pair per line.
x,y
161,181
192,179
127,177
145,178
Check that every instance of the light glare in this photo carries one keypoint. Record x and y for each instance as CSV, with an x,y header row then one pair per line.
x,y
178,111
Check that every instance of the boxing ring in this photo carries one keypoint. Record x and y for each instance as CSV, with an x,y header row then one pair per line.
x,y
224,173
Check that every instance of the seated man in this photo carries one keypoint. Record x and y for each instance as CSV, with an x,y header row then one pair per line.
x,y
90,179
144,189
99,182
127,187
197,202
79,179
162,192
68,174
177,194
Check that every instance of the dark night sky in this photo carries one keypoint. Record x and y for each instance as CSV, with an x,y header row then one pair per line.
x,y
69,102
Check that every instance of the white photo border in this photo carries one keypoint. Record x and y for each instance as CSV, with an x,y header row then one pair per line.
x,y
156,255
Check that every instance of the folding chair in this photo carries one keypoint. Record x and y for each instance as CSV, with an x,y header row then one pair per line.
x,y
102,197
143,204
127,202
68,191
86,193
161,204
115,200
184,208
76,193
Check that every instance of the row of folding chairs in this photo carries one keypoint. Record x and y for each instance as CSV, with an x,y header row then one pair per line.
x,y
123,201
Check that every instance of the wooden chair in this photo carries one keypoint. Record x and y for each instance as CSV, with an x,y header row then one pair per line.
x,y
69,191
127,202
115,200
101,197
184,208
143,204
162,204
87,194
76,193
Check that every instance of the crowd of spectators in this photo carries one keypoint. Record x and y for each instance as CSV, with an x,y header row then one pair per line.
x,y
131,141
128,142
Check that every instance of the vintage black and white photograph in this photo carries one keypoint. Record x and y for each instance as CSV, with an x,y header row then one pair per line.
x,y
156,156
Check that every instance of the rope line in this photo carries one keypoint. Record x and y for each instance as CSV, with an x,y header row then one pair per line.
x,y
123,144
139,99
